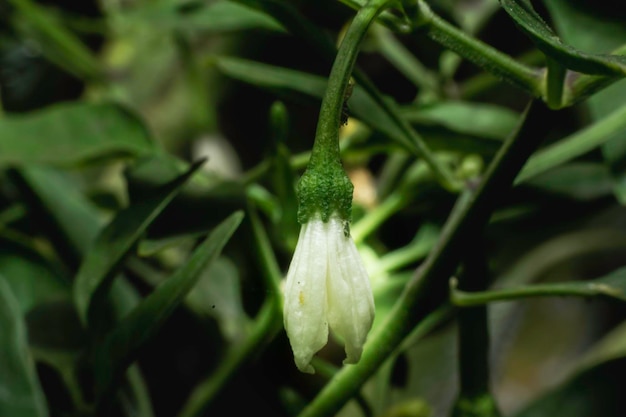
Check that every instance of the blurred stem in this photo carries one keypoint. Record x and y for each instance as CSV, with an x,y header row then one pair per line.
x,y
561,289
267,324
428,290
373,219
397,54
474,398
478,52
555,78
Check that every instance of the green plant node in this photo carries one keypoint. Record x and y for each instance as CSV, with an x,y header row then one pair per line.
x,y
323,190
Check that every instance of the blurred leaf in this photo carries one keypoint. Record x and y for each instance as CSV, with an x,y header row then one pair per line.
x,y
71,223
57,43
269,76
603,32
280,79
57,338
116,240
579,180
20,393
593,387
593,392
215,17
149,247
574,145
31,279
187,214
547,41
117,351
217,294
482,120
55,326
70,134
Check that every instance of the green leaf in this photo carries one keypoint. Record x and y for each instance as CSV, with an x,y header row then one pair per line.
x,y
203,193
280,79
603,32
217,294
481,120
71,222
579,180
117,351
594,392
31,278
590,389
215,17
574,145
20,392
115,242
549,43
67,134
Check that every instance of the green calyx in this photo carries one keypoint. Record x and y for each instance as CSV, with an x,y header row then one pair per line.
x,y
324,190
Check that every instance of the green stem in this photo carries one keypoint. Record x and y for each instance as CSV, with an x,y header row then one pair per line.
x,y
326,146
555,78
478,52
428,288
474,399
562,289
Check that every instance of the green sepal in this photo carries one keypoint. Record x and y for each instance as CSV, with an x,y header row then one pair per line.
x,y
323,190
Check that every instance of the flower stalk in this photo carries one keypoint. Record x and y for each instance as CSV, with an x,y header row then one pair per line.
x,y
327,284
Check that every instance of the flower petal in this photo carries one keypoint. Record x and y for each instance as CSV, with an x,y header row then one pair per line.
x,y
305,295
350,299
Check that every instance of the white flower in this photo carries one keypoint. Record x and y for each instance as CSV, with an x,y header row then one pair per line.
x,y
326,285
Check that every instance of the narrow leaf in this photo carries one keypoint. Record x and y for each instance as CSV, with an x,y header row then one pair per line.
x,y
574,145
549,43
20,392
114,243
119,348
73,133
215,17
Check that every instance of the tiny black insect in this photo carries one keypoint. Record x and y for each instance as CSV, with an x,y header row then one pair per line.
x,y
345,110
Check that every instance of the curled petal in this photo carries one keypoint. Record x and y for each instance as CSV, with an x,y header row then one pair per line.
x,y
305,296
350,300
326,285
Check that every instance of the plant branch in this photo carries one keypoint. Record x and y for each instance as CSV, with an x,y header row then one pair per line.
x,y
428,288
561,289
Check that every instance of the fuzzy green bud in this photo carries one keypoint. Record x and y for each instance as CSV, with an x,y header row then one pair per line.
x,y
324,190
